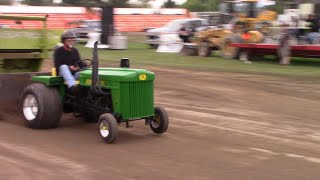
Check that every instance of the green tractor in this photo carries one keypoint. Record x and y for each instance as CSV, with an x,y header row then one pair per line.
x,y
108,96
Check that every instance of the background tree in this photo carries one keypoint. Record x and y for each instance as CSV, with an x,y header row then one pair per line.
x,y
194,6
213,5
75,2
118,3
144,1
278,7
38,2
147,5
33,2
169,4
5,2
142,4
96,3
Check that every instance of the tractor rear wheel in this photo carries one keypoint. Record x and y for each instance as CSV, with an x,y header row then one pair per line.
x,y
108,128
226,50
204,49
41,106
160,122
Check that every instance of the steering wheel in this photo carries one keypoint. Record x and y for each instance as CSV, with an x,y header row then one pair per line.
x,y
87,63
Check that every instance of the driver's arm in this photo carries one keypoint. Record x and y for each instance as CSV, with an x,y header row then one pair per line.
x,y
74,68
78,58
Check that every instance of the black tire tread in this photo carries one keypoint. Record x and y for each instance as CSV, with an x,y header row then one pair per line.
x,y
164,120
113,125
50,106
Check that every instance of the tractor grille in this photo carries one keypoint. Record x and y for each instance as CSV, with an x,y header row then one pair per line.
x,y
137,99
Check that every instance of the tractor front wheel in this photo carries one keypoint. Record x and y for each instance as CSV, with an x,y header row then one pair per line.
x,y
108,128
160,122
41,106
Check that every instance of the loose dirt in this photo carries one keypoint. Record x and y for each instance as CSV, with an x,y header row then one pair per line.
x,y
222,126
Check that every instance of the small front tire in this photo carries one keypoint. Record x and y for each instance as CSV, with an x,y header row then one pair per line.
x,y
108,128
160,122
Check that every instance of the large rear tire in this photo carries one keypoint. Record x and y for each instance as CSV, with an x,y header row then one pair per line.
x,y
160,122
41,106
226,50
108,128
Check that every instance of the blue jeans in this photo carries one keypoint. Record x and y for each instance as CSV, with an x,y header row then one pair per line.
x,y
313,38
70,79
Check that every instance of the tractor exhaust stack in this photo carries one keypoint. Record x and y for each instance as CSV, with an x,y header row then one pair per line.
x,y
95,88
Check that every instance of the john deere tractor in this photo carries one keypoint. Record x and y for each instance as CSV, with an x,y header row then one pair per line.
x,y
108,96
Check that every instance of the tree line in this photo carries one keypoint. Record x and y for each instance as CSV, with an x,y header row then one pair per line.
x,y
191,5
90,3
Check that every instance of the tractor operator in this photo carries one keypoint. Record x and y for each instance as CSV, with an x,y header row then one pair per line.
x,y
185,33
66,60
313,35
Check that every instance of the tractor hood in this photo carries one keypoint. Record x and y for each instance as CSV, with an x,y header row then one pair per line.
x,y
119,75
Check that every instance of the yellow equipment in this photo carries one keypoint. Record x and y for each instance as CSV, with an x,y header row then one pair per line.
x,y
251,26
249,13
210,39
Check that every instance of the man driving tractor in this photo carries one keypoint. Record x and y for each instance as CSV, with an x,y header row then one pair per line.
x,y
67,60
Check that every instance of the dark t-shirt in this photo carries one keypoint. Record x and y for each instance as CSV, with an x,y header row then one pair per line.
x,y
63,56
314,25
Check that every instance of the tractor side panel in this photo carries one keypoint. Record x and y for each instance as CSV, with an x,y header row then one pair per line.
x,y
49,80
116,95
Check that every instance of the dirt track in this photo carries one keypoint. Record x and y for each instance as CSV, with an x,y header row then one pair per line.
x,y
222,126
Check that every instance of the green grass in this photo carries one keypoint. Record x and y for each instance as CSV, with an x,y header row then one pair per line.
x,y
140,54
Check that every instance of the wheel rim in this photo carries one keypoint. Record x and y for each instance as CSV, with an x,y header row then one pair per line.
x,y
30,107
156,122
104,129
